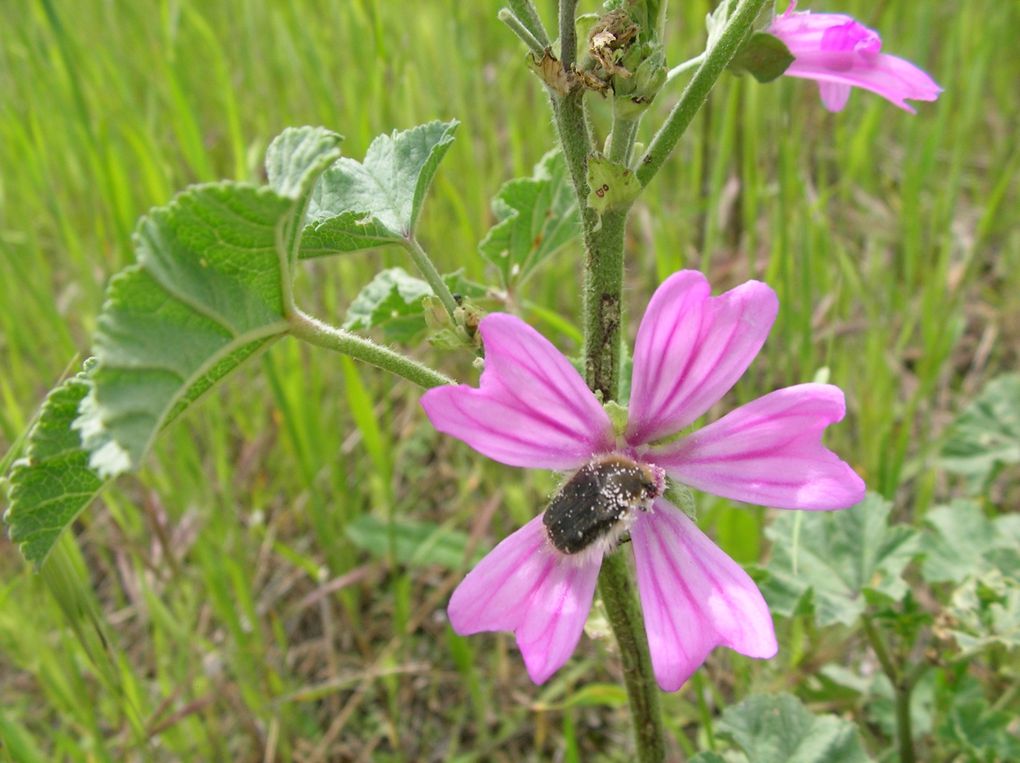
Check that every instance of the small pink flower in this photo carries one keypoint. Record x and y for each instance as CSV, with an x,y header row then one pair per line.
x,y
532,409
839,53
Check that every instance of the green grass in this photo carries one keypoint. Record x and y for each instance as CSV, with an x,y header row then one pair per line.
x,y
212,608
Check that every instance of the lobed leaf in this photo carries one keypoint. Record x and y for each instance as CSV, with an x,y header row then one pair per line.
x,y
986,435
779,729
961,542
393,301
358,205
837,557
211,287
537,217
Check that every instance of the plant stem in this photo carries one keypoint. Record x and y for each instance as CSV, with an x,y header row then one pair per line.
x,y
679,69
523,33
568,33
332,338
424,264
603,288
525,11
628,627
717,58
902,688
621,142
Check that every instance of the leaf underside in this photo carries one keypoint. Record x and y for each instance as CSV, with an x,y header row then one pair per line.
x,y
360,205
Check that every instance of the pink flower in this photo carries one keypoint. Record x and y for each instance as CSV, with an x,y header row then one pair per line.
x,y
839,53
532,409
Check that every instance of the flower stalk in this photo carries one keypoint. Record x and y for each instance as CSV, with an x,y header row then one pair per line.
x,y
322,334
717,58
624,615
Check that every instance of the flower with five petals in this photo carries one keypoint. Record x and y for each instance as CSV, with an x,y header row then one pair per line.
x,y
533,410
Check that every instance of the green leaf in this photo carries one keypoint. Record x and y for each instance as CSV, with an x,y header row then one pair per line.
x,y
52,485
779,729
391,301
986,435
837,558
537,217
961,542
981,732
985,611
359,205
414,542
764,56
211,287
613,186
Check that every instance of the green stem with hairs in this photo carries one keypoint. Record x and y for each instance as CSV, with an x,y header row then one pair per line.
x,y
424,264
629,629
316,332
902,685
694,95
525,11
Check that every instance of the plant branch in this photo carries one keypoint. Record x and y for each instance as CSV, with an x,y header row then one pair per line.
x,y
717,58
525,11
316,332
424,264
524,34
628,627
902,688
568,34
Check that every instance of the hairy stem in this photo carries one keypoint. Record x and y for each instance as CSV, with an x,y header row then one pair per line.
x,y
628,627
332,338
568,33
525,11
521,30
603,288
717,58
902,687
424,264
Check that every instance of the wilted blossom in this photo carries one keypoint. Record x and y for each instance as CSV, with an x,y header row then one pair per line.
x,y
533,410
839,53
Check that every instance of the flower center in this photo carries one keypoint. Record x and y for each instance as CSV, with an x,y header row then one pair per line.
x,y
596,505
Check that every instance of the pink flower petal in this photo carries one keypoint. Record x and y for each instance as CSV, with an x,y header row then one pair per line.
x,y
834,95
895,79
531,407
769,452
694,597
526,586
691,348
839,52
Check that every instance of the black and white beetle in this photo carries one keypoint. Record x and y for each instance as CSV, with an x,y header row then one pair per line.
x,y
595,503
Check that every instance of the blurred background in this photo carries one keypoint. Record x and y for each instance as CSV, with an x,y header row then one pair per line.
x,y
240,598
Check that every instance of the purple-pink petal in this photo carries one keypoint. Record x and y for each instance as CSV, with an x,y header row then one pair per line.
x,y
839,53
524,585
531,407
769,452
694,597
691,348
